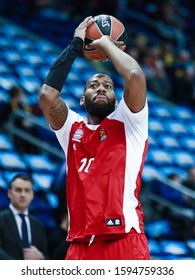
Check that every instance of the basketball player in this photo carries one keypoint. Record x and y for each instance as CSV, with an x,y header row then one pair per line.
x,y
104,153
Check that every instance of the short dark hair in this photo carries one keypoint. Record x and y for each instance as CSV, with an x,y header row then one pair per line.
x,y
22,176
15,91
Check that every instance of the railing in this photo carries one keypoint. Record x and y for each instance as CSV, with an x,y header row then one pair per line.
x,y
13,130
166,198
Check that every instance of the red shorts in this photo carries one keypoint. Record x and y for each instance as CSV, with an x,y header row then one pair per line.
x,y
133,246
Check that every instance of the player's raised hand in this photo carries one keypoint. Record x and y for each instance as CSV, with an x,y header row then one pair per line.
x,y
80,31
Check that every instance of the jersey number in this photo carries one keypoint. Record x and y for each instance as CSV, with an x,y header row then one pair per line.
x,y
85,164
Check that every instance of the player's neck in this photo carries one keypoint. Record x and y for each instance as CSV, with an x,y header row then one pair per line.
x,y
94,120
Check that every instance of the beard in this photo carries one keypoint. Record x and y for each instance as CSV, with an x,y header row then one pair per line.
x,y
101,110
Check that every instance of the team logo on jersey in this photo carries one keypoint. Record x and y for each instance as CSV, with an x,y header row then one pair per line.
x,y
113,222
102,134
78,135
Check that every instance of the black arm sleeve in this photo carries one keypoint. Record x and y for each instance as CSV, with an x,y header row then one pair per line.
x,y
62,65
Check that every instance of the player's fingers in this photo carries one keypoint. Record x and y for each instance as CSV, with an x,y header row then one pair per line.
x,y
86,22
118,43
91,20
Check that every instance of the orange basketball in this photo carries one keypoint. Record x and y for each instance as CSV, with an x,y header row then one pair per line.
x,y
104,25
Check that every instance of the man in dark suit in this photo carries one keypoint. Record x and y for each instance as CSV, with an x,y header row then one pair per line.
x,y
15,230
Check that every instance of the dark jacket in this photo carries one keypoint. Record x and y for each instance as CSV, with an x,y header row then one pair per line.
x,y
10,242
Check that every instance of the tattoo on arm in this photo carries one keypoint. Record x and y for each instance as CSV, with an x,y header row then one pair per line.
x,y
57,114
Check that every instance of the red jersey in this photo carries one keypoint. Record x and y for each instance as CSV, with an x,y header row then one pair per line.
x,y
104,168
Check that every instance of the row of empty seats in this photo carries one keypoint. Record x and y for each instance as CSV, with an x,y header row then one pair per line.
x,y
42,168
164,245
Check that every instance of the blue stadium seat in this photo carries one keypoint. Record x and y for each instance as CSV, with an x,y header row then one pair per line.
x,y
168,142
23,44
44,47
183,114
5,43
12,57
174,247
30,84
12,30
154,248
191,128
7,81
159,229
191,245
175,128
73,78
11,161
160,157
5,143
42,181
5,68
156,127
183,159
188,143
23,70
39,163
34,59
70,101
4,97
77,90
150,172
81,65
161,111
